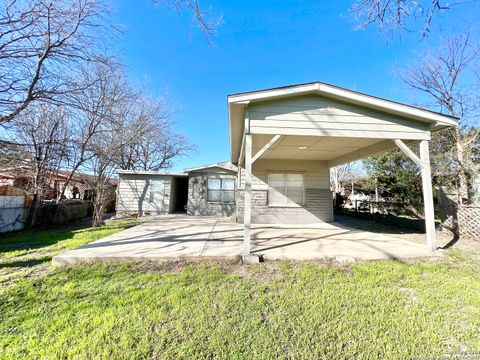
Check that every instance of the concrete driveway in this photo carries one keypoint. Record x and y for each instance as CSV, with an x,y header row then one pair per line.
x,y
175,237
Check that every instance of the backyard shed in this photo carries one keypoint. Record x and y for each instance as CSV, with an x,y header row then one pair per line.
x,y
151,193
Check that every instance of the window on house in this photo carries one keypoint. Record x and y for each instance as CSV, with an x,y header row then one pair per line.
x,y
286,189
221,190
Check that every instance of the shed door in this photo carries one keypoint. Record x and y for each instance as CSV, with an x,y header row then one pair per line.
x,y
157,192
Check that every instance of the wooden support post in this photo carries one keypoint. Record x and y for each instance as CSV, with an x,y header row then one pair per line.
x,y
266,147
406,150
424,164
428,196
247,212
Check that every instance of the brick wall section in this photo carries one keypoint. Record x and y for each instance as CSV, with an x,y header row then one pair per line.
x,y
197,196
318,205
317,208
462,220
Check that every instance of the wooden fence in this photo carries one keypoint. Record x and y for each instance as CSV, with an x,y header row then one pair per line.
x,y
462,220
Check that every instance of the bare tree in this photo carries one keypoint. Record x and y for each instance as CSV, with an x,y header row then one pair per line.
x,y
102,167
153,144
12,154
41,131
445,77
138,137
160,148
390,15
42,45
341,175
94,108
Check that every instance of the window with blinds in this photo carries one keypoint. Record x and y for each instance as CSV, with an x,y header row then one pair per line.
x,y
286,189
221,190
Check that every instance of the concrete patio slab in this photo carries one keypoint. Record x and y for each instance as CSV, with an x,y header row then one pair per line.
x,y
176,237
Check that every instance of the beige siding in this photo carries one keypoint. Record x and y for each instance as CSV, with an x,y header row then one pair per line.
x,y
318,205
315,115
134,194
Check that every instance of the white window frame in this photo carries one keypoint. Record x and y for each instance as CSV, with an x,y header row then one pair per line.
x,y
280,172
221,201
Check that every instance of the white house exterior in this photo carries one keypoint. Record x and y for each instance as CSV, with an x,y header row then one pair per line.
x,y
285,140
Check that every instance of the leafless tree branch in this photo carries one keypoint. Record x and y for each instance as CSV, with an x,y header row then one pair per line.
x,y
444,77
42,44
207,24
391,15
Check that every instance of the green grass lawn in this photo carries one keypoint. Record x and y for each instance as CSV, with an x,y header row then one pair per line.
x,y
367,310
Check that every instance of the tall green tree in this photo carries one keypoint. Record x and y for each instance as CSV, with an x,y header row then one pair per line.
x,y
396,176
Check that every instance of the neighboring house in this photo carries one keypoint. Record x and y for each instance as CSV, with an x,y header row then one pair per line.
x,y
284,141
81,186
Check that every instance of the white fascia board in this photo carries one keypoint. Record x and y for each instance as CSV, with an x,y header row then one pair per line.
x,y
348,96
142,172
233,168
271,94
386,105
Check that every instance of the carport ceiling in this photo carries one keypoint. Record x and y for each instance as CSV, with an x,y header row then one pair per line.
x,y
309,147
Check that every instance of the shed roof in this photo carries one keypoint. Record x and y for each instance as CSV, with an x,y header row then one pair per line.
x,y
227,165
141,172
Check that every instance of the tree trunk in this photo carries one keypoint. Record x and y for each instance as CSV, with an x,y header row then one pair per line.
x,y
32,211
99,205
462,173
36,201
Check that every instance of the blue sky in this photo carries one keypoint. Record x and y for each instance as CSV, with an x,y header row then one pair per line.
x,y
261,44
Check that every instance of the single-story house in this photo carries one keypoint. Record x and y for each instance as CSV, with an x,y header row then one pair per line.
x,y
283,141
81,186
205,190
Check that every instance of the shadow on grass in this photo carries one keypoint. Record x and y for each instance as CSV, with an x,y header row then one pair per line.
x,y
33,239
26,263
372,226
40,238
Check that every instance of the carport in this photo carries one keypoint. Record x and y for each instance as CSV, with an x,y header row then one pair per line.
x,y
279,135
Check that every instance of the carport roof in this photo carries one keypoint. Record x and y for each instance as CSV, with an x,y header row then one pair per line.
x,y
237,103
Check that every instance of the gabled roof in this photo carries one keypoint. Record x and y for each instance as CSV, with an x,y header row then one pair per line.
x,y
237,104
227,165
145,172
346,95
